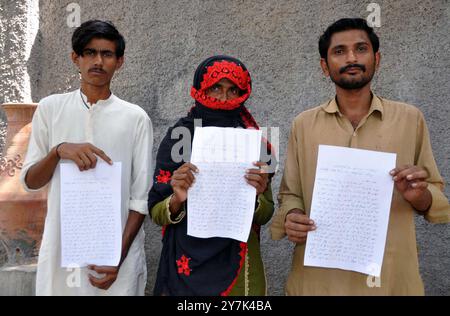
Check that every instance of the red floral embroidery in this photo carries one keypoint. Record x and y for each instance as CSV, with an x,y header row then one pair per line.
x,y
164,177
183,266
226,69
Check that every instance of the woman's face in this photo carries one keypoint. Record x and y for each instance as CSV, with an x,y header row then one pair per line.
x,y
224,90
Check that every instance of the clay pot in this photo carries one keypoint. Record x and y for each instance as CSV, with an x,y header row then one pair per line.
x,y
22,214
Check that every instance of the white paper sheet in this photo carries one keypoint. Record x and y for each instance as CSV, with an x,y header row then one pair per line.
x,y
221,203
91,228
350,206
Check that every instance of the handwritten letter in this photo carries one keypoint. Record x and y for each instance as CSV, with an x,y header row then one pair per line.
x,y
350,206
91,228
221,203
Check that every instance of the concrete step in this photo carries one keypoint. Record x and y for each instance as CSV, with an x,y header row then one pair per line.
x,y
18,281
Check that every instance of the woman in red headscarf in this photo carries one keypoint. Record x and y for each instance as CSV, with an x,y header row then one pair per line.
x,y
214,266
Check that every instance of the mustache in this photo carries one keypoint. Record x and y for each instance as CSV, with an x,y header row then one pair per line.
x,y
97,69
344,69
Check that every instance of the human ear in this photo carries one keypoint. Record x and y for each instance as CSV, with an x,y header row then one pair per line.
x,y
75,59
120,62
324,66
377,60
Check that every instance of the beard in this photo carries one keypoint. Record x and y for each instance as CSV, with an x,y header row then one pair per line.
x,y
354,83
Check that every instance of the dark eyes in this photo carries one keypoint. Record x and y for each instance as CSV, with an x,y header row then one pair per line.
x,y
93,53
107,54
234,90
359,49
217,88
362,49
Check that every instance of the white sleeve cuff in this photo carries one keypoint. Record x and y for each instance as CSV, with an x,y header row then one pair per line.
x,y
139,206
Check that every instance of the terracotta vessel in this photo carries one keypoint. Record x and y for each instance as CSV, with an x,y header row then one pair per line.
x,y
22,214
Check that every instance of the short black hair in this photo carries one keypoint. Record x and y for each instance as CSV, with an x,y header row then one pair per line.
x,y
97,29
345,25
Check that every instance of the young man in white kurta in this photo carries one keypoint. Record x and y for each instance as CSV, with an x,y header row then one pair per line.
x,y
124,132
83,127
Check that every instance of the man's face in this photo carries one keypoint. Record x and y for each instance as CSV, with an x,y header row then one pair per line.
x,y
98,62
351,62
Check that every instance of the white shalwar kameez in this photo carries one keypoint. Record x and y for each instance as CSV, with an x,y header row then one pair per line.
x,y
124,132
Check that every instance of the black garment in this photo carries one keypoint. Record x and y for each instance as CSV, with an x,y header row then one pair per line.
x,y
189,265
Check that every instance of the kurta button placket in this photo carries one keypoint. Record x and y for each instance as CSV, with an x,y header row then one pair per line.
x,y
90,126
354,139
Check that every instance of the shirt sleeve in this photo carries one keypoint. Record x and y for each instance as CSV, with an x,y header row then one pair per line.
x,y
161,213
141,181
265,208
38,147
439,211
290,195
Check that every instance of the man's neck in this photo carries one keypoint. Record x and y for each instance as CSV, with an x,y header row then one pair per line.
x,y
94,94
354,104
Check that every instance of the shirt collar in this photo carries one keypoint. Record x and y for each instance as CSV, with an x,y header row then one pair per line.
x,y
99,102
332,107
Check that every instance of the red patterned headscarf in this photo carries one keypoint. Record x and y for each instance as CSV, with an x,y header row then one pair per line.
x,y
211,72
216,68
